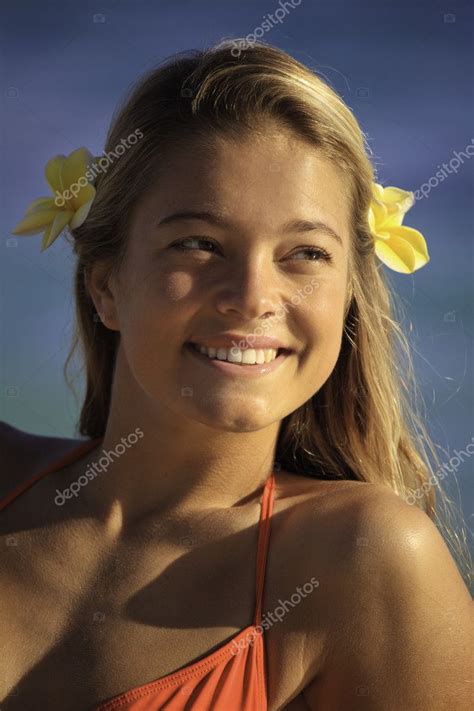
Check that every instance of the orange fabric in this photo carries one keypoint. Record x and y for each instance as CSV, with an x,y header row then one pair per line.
x,y
232,678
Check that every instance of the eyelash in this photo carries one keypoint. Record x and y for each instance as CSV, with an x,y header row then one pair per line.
x,y
322,253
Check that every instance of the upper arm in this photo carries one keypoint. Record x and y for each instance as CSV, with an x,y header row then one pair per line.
x,y
403,633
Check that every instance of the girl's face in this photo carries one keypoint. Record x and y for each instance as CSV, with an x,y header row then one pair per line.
x,y
252,267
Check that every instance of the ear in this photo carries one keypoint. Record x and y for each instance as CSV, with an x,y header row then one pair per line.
x,y
102,287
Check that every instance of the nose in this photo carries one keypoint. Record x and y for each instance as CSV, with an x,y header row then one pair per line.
x,y
248,289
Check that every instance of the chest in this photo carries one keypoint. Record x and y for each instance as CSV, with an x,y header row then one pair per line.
x,y
82,629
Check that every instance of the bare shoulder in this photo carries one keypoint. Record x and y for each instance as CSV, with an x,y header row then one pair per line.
x,y
379,528
365,520
24,453
398,612
374,538
340,512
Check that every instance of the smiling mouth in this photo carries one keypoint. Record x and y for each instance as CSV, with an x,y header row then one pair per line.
x,y
249,369
196,348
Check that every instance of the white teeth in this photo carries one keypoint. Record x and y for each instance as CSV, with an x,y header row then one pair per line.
x,y
250,356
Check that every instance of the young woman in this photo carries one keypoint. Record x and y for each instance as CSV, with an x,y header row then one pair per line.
x,y
236,533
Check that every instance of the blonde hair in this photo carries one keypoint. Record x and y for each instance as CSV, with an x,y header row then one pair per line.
x,y
363,423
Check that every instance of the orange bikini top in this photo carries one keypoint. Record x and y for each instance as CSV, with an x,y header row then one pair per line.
x,y
232,678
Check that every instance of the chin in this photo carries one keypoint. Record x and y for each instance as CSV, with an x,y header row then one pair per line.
x,y
221,416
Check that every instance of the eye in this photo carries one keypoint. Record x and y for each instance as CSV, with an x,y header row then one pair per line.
x,y
317,252
180,245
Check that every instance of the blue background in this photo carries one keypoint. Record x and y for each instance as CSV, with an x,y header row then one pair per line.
x,y
406,70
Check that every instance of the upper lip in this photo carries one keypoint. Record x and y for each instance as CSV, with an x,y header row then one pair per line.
x,y
230,340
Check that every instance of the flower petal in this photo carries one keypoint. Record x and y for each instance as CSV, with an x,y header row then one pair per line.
x,y
398,197
81,214
55,229
401,248
35,222
396,254
75,166
85,195
42,203
377,215
394,218
371,219
52,172
396,212
389,206
416,240
377,191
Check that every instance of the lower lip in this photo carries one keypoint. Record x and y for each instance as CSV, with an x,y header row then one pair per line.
x,y
245,371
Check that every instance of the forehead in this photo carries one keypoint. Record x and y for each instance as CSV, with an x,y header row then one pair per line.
x,y
259,180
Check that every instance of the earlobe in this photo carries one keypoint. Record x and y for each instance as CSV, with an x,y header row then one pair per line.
x,y
98,285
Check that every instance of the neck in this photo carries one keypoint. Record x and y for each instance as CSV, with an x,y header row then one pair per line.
x,y
162,466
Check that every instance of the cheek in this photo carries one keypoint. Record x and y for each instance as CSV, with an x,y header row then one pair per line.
x,y
175,286
162,288
328,310
150,313
156,300
325,306
324,322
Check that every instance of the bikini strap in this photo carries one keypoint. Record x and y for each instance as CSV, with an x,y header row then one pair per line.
x,y
263,541
59,463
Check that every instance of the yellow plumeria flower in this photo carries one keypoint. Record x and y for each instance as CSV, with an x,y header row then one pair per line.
x,y
67,178
401,248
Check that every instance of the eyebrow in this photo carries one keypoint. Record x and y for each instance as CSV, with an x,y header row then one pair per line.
x,y
220,221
